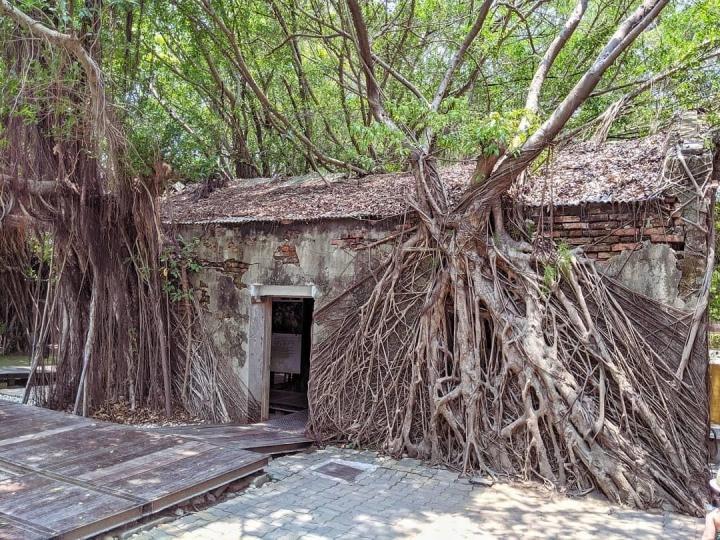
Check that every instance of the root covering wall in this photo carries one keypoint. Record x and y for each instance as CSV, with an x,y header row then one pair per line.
x,y
501,356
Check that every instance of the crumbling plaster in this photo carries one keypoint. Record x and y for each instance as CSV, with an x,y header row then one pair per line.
x,y
234,256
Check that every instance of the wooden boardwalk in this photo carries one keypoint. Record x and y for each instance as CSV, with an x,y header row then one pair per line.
x,y
62,476
19,375
277,436
14,375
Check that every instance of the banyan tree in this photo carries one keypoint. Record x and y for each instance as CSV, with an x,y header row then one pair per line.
x,y
470,344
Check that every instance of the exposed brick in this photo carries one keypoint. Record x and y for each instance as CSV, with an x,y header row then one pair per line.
x,y
655,230
655,221
575,225
566,219
597,248
349,241
597,217
605,255
667,238
625,218
604,225
286,254
630,231
575,241
624,246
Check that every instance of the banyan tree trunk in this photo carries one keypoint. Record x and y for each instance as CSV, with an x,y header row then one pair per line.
x,y
469,348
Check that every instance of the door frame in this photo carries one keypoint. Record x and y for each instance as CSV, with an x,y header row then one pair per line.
x,y
260,336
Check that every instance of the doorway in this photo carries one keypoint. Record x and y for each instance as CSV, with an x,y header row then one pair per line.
x,y
290,346
280,326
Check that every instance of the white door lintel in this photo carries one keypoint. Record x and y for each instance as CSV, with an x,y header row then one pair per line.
x,y
258,290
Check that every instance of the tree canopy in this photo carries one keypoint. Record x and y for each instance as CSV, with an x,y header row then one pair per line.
x,y
185,76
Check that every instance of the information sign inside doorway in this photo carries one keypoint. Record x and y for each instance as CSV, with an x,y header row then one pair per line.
x,y
285,351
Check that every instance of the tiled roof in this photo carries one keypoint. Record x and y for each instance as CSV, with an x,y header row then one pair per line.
x,y
621,171
616,171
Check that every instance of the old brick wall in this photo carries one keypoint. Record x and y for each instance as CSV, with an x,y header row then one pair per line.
x,y
607,229
657,247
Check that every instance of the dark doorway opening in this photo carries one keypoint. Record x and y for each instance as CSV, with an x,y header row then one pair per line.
x,y
290,347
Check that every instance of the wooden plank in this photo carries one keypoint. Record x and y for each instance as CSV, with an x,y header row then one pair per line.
x,y
62,475
279,435
21,422
146,464
13,529
178,476
5,474
87,448
46,503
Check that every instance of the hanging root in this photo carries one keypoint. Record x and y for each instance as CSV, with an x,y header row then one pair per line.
x,y
207,385
97,311
481,359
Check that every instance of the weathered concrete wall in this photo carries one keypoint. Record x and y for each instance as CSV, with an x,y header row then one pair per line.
x,y
235,256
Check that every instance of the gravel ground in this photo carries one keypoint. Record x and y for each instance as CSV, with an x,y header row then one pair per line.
x,y
12,394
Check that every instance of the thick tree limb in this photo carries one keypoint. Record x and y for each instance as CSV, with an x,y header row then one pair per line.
x,y
42,188
368,61
532,102
509,168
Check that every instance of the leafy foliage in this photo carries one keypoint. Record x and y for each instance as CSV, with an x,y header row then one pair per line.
x,y
178,261
174,69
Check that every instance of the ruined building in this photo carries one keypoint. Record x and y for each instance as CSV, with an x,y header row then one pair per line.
x,y
273,252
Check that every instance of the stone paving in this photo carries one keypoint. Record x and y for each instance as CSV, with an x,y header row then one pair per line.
x,y
406,499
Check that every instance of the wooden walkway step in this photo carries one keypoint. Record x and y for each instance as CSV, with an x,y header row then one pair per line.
x,y
278,436
62,476
19,375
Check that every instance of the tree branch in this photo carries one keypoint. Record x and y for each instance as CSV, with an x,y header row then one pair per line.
x,y
509,168
402,80
41,188
362,40
281,121
459,56
532,103
92,71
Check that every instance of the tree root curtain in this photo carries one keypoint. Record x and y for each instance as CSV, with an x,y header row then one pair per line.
x,y
489,355
101,298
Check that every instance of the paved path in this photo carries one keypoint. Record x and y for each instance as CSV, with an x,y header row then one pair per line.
x,y
405,499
